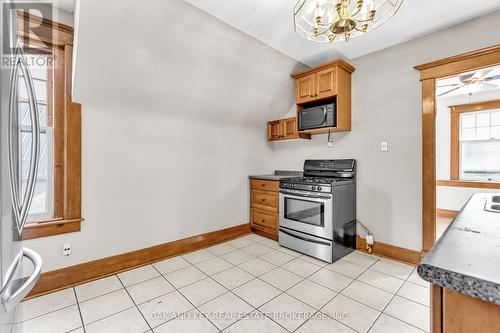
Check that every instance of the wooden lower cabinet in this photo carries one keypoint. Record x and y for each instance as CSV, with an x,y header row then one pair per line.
x,y
264,206
454,312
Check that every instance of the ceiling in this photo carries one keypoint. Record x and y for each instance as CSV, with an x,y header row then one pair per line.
x,y
272,23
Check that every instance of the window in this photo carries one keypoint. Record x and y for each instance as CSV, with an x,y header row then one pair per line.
x,y
480,145
56,204
475,143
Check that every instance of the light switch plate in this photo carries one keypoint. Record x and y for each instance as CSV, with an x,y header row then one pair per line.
x,y
384,146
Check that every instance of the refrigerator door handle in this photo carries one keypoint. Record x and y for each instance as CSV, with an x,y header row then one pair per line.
x,y
22,209
11,300
11,273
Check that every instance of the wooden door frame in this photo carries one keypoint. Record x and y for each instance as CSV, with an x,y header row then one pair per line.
x,y
429,74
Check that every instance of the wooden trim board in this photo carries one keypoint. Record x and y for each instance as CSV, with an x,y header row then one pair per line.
x,y
465,183
51,228
448,213
465,62
390,251
93,270
428,163
265,234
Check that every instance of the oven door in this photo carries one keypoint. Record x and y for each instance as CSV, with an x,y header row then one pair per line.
x,y
307,212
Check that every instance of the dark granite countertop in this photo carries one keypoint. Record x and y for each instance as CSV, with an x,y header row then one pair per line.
x,y
467,256
277,175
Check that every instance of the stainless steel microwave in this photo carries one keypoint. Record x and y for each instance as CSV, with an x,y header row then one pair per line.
x,y
320,116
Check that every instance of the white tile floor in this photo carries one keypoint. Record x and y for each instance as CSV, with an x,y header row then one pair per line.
x,y
250,284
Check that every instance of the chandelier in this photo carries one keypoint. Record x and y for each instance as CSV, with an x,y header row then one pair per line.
x,y
338,20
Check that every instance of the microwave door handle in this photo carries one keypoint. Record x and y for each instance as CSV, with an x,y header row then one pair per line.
x,y
325,114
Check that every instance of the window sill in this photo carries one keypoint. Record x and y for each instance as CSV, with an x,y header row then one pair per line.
x,y
50,228
468,183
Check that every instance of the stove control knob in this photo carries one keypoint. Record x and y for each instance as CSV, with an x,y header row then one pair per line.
x,y
318,188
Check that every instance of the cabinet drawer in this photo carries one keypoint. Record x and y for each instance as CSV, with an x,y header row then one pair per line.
x,y
265,200
264,220
267,185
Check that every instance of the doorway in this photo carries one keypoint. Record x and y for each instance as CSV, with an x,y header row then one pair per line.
x,y
430,74
467,140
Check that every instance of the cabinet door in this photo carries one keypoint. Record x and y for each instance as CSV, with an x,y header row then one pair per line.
x,y
326,83
305,89
289,127
265,221
274,130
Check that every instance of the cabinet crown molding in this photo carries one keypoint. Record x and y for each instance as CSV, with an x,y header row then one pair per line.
x,y
339,62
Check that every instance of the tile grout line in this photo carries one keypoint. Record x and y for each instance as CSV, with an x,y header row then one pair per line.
x,y
133,301
180,293
79,310
385,307
254,309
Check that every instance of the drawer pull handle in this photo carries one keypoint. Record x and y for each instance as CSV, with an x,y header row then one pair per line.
x,y
263,220
263,200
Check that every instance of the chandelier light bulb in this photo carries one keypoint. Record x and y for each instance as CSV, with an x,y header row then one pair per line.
x,y
340,20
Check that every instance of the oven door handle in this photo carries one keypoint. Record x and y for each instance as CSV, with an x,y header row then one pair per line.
x,y
326,197
307,239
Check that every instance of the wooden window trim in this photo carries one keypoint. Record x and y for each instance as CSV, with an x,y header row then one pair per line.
x,y
455,111
466,183
67,131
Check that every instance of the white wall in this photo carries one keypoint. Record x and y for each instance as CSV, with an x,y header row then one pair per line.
x,y
174,111
454,198
387,105
174,104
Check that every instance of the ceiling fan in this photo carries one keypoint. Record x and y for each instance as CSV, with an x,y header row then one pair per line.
x,y
473,82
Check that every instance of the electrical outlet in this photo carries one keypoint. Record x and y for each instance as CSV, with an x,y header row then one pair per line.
x,y
384,146
369,239
66,249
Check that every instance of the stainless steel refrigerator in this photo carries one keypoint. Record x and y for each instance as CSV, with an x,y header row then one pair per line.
x,y
16,195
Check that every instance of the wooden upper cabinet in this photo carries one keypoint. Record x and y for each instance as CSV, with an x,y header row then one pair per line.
x,y
306,90
289,127
326,83
284,129
274,130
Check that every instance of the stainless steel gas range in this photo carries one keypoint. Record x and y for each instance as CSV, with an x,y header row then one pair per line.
x,y
318,210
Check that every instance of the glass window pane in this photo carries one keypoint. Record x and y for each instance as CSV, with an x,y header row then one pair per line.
x,y
468,134
483,119
495,118
468,120
24,114
495,132
483,133
480,160
304,211
39,204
